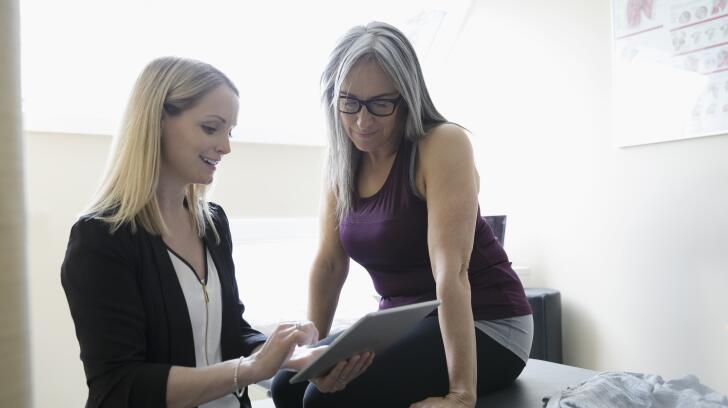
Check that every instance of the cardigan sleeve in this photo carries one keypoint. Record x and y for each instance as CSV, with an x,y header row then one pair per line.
x,y
250,337
99,276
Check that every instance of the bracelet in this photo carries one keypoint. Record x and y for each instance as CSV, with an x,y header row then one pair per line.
x,y
237,390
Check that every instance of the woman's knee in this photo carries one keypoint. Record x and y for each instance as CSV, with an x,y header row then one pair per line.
x,y
313,398
285,394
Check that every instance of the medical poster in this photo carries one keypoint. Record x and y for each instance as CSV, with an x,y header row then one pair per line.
x,y
670,70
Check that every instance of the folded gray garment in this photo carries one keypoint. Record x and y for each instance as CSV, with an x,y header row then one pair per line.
x,y
624,390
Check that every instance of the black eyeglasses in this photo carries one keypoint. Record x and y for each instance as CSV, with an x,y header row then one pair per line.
x,y
377,107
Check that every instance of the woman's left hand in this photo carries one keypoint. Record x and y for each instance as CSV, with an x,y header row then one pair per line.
x,y
344,372
449,401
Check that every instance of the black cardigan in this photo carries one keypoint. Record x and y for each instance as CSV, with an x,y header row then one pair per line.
x,y
130,314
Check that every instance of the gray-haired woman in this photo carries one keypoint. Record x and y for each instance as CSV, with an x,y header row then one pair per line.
x,y
402,202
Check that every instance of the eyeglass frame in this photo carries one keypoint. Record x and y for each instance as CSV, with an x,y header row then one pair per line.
x,y
366,103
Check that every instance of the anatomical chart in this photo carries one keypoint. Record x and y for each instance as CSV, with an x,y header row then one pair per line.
x,y
670,69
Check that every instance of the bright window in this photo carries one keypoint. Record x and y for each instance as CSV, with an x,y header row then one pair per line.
x,y
81,57
273,257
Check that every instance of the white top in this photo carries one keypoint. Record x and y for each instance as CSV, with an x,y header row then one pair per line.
x,y
204,304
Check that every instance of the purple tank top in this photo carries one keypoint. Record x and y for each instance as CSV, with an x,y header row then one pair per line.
x,y
387,234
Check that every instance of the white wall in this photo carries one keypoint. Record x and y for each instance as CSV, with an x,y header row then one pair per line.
x,y
634,238
63,172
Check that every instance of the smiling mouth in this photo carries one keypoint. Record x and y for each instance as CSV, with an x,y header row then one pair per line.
x,y
210,161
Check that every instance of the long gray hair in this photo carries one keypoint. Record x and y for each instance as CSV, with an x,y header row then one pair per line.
x,y
396,56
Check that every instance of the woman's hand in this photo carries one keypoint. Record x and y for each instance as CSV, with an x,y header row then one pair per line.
x,y
451,400
344,372
303,356
279,347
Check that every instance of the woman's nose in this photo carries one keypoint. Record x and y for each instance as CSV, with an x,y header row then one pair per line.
x,y
224,146
364,118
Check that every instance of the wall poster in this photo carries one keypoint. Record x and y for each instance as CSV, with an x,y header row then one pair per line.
x,y
670,70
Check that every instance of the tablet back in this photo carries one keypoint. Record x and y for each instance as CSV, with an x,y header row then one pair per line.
x,y
374,332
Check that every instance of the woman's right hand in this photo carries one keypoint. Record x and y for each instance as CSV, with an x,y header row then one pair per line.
x,y
268,358
344,372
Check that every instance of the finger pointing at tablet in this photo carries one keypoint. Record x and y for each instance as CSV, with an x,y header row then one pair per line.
x,y
279,347
305,326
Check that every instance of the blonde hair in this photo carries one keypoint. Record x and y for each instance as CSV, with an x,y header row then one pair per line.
x,y
127,194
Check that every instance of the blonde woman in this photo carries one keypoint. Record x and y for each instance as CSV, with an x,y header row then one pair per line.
x,y
148,272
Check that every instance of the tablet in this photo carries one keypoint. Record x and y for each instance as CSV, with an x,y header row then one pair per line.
x,y
374,332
